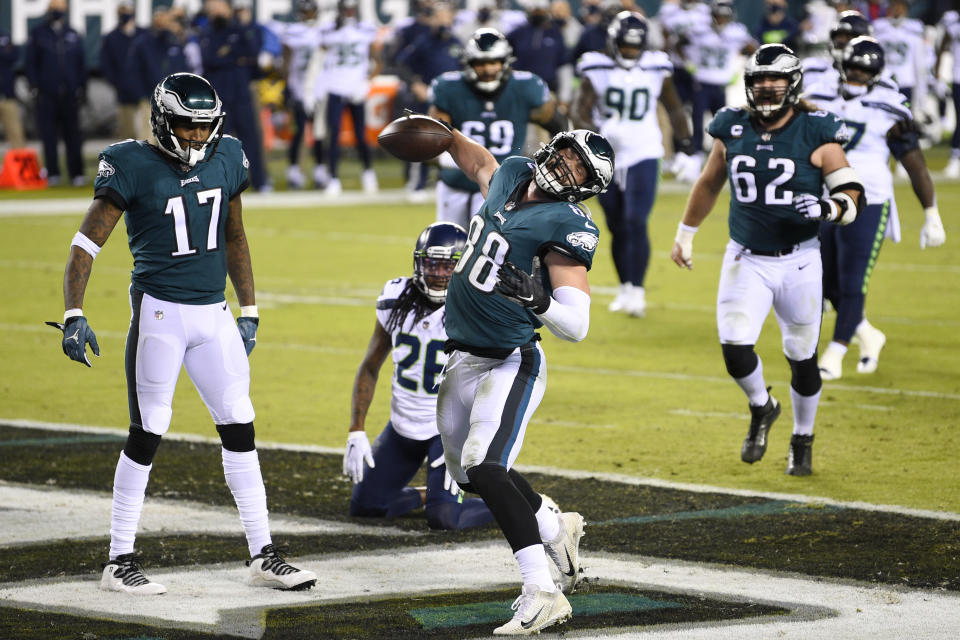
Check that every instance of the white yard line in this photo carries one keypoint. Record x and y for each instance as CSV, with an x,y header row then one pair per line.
x,y
566,473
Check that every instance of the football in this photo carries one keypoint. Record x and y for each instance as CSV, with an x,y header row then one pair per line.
x,y
415,138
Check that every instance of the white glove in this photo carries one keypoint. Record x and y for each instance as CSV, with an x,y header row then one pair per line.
x,y
813,208
448,483
358,452
682,252
686,168
932,234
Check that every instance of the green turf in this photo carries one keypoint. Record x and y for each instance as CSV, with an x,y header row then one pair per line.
x,y
643,397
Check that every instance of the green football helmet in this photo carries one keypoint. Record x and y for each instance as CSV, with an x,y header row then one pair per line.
x,y
185,99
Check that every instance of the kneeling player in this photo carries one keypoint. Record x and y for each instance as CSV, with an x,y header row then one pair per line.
x,y
410,325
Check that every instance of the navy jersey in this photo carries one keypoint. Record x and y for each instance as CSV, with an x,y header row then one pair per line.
x,y
767,169
497,121
504,230
175,219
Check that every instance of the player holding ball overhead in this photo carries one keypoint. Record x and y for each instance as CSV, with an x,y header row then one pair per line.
x,y
496,371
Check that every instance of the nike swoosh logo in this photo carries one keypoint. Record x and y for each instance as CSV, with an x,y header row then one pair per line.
x,y
573,569
803,267
224,306
75,336
532,621
525,298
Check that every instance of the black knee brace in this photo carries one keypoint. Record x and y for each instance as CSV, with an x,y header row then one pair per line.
x,y
141,446
236,437
507,503
741,360
806,376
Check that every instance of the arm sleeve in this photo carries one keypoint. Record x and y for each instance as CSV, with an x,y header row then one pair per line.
x,y
568,316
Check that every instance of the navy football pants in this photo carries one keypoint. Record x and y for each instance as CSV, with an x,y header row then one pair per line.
x,y
335,107
384,491
627,209
849,254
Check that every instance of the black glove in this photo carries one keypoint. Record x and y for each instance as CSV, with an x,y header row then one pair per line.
x,y
523,288
76,334
248,331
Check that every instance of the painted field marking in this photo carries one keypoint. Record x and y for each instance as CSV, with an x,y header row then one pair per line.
x,y
776,507
573,474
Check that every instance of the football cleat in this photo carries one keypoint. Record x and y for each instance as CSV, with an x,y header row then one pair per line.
x,y
125,574
295,177
800,461
636,302
761,419
831,364
321,177
269,569
550,503
369,180
535,609
565,550
871,342
334,188
620,302
952,170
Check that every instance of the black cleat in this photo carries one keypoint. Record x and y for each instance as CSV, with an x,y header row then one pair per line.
x,y
761,419
801,456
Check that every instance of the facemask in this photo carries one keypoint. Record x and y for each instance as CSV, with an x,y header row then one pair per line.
x,y
538,19
125,18
483,14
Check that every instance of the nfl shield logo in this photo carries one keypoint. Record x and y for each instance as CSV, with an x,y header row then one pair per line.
x,y
158,314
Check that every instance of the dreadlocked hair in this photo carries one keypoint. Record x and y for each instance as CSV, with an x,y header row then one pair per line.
x,y
410,300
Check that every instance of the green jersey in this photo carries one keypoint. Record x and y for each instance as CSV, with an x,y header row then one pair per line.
x,y
767,169
498,120
505,229
175,219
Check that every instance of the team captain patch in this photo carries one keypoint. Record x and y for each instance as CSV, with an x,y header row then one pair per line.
x,y
105,170
583,239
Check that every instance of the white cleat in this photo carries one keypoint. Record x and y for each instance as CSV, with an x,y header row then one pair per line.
x,y
549,502
831,364
871,343
565,550
321,177
124,574
269,569
952,170
535,610
369,181
334,188
619,302
636,302
295,177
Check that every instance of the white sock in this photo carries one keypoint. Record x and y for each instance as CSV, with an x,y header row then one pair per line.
x,y
242,472
548,523
836,346
129,488
804,412
535,567
754,386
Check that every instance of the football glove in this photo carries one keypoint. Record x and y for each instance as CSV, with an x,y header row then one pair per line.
x,y
358,452
523,288
76,334
829,209
932,233
248,331
448,482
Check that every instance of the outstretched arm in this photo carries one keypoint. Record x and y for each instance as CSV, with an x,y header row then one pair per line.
x,y
474,160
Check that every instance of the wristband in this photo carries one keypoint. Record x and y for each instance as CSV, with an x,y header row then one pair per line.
x,y
72,313
85,243
249,311
932,212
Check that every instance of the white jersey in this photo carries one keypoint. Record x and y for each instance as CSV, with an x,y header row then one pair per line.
x,y
868,118
678,22
302,39
346,63
951,26
715,53
418,359
819,71
905,50
626,108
